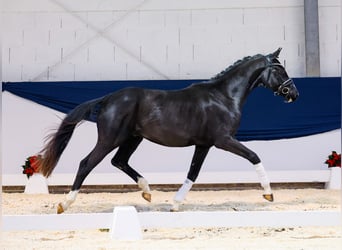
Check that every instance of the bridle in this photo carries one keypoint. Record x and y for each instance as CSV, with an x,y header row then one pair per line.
x,y
283,88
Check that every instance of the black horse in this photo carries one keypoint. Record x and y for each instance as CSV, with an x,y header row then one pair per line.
x,y
205,114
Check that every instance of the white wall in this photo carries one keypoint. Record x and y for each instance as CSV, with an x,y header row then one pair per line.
x,y
155,39
330,37
111,40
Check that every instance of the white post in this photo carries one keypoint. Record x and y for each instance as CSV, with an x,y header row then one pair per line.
x,y
335,178
126,224
36,184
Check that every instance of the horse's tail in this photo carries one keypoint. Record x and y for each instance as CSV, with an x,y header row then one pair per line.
x,y
57,141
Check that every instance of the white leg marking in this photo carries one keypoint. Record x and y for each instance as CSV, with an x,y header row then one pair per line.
x,y
143,184
180,195
70,198
265,183
184,189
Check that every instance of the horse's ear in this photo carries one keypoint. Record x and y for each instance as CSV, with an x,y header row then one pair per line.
x,y
276,53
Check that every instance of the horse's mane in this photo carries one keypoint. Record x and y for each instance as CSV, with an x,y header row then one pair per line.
x,y
235,65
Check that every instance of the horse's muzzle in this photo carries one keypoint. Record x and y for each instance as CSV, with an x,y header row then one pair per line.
x,y
292,94
288,90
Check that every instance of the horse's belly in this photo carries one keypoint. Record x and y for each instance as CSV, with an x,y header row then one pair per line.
x,y
167,138
170,141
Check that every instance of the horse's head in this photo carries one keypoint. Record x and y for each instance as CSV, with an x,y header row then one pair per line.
x,y
274,76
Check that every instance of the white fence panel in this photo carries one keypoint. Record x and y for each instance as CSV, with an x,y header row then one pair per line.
x,y
175,220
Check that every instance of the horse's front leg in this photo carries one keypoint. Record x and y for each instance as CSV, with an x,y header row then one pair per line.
x,y
196,163
264,181
234,146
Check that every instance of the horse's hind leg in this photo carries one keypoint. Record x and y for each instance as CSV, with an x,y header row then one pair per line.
x,y
120,160
86,165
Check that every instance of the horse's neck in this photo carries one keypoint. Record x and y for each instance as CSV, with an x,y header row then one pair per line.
x,y
238,88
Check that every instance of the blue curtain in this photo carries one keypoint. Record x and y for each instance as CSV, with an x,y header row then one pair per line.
x,y
265,116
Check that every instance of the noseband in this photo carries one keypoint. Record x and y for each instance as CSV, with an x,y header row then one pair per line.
x,y
284,88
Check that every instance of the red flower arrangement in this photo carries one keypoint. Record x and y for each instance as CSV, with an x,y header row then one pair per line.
x,y
334,160
31,165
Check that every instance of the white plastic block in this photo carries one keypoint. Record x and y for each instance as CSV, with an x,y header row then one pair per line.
x,y
335,179
126,224
36,184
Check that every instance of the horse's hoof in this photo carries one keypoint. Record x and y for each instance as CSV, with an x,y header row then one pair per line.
x,y
60,209
174,210
175,206
147,196
268,197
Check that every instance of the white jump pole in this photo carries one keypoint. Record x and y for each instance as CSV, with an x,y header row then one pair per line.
x,y
126,224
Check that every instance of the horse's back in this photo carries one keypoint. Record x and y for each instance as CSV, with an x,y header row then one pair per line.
x,y
174,118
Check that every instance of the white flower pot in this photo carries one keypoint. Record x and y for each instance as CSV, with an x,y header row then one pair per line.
x,y
36,184
335,178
